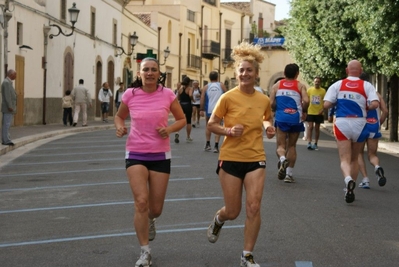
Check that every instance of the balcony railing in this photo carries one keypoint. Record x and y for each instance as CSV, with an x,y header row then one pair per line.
x,y
226,54
193,61
210,49
211,2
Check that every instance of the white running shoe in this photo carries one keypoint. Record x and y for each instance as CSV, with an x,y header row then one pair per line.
x,y
248,261
364,185
214,229
289,179
144,260
151,230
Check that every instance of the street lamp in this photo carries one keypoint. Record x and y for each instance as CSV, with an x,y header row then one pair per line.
x,y
133,41
73,15
166,53
225,63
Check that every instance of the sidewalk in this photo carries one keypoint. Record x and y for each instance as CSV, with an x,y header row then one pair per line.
x,y
27,134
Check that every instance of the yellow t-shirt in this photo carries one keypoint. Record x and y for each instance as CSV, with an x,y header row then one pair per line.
x,y
250,110
316,102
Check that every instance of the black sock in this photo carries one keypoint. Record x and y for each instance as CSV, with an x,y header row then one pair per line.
x,y
216,144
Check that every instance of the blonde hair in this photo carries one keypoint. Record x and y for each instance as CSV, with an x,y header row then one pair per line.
x,y
247,52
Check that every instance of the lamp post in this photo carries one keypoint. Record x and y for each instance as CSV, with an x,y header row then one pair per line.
x,y
133,41
73,15
225,63
166,53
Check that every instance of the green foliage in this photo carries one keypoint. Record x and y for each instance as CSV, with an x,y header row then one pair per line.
x,y
324,35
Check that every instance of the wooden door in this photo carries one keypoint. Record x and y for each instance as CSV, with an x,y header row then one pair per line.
x,y
19,85
110,80
68,73
99,83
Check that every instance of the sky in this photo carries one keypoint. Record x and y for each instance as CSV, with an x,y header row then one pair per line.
x,y
282,7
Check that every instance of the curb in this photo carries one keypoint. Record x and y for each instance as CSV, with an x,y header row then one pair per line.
x,y
33,138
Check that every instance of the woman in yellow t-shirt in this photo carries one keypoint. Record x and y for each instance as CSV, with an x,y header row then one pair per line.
x,y
246,114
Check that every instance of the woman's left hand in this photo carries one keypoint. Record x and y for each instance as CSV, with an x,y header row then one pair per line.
x,y
163,132
270,132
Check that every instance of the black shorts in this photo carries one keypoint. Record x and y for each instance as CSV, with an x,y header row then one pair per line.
x,y
315,118
239,169
104,107
156,165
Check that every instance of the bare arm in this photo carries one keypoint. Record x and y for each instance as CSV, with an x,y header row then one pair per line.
x,y
119,120
383,108
202,101
273,96
223,87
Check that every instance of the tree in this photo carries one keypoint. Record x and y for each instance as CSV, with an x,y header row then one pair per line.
x,y
324,35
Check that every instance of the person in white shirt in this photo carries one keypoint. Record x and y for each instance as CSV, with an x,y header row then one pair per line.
x,y
104,95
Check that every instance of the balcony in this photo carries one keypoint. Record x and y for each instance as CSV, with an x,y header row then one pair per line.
x,y
211,2
226,54
193,61
210,49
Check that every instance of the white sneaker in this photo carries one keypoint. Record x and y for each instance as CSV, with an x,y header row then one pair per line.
x,y
144,260
151,230
365,185
214,229
248,261
289,179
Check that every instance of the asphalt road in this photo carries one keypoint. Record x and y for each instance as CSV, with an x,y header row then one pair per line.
x,y
67,202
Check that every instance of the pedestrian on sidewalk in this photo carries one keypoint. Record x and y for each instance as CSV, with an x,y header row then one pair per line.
x,y
82,99
375,118
290,102
148,152
351,97
315,115
67,104
8,106
119,94
242,158
104,96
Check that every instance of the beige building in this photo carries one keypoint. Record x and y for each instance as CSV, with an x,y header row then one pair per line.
x,y
202,33
190,37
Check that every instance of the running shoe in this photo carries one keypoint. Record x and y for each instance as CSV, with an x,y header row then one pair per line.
x,y
315,147
310,146
380,175
177,138
349,195
248,261
193,125
208,147
216,150
282,170
151,230
189,139
214,229
364,185
144,260
289,179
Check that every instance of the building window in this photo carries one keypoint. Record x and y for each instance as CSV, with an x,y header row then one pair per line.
x,y
93,22
190,15
19,33
63,10
211,2
114,33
